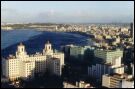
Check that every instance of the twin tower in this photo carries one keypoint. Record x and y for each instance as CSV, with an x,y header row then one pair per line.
x,y
22,52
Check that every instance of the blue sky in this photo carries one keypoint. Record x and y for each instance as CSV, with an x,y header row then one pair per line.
x,y
67,11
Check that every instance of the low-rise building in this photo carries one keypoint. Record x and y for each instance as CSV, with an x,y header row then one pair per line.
x,y
80,84
117,81
111,81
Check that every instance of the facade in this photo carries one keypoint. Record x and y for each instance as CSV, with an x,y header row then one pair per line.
x,y
132,31
111,81
133,70
55,67
96,71
80,84
117,81
108,55
25,66
79,52
66,50
127,84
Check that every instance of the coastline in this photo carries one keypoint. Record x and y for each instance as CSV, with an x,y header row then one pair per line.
x,y
36,43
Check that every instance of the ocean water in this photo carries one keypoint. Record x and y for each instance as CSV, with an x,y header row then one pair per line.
x,y
11,37
34,40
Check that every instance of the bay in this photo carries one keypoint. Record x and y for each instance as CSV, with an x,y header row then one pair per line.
x,y
14,36
35,40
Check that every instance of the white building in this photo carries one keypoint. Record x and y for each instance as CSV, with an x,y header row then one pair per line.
x,y
127,84
111,81
132,70
24,65
108,55
117,81
124,29
80,84
96,71
48,49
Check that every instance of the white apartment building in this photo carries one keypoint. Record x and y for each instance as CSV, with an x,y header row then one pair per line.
x,y
24,65
96,71
108,55
127,84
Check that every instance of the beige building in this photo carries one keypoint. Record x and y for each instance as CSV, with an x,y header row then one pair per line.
x,y
80,84
113,81
118,81
24,65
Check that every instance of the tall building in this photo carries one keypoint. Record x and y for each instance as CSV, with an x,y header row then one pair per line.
x,y
96,71
26,66
54,66
77,52
66,50
80,52
108,55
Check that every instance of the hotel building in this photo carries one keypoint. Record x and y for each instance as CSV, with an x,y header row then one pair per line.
x,y
26,66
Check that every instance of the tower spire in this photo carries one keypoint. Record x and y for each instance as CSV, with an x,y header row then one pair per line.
x,y
21,43
48,42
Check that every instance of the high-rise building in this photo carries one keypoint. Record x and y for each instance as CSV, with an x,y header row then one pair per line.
x,y
25,66
96,71
80,52
108,55
54,66
77,52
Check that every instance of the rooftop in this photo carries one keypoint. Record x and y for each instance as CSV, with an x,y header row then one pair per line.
x,y
11,57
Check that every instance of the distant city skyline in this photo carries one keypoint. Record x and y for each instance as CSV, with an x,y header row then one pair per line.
x,y
67,11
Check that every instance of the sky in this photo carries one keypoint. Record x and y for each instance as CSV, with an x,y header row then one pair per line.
x,y
67,11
